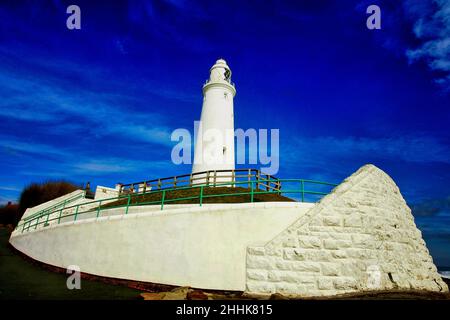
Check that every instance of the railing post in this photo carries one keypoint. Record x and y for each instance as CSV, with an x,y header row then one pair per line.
x,y
207,178
251,194
59,218
76,213
303,190
163,197
257,179
159,183
98,208
46,220
249,176
201,196
215,177
128,203
37,221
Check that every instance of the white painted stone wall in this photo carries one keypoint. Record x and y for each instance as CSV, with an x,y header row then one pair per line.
x,y
64,213
203,247
360,237
51,203
105,193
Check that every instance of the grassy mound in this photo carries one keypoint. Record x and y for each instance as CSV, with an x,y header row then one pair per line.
x,y
171,195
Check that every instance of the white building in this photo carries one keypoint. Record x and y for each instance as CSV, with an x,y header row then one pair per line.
x,y
214,147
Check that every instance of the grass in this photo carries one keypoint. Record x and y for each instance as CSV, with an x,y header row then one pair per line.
x,y
209,196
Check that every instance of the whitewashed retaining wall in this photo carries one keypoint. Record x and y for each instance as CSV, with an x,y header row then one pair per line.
x,y
64,213
48,204
105,193
360,237
203,247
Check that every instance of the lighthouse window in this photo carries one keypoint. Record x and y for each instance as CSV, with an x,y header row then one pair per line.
x,y
227,74
224,149
225,95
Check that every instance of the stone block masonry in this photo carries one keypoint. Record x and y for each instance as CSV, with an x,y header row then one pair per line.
x,y
360,237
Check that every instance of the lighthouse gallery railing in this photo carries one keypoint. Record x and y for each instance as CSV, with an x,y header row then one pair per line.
x,y
208,178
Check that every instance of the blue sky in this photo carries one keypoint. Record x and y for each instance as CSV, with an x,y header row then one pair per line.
x,y
99,104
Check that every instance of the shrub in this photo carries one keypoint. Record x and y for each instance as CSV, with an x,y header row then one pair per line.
x,y
9,214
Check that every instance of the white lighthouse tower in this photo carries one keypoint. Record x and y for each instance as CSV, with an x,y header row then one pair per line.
x,y
214,147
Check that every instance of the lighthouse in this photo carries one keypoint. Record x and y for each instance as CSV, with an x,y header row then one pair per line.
x,y
214,145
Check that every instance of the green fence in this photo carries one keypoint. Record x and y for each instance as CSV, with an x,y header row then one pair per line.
x,y
296,189
60,204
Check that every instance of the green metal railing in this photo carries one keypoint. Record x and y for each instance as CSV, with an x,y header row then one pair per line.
x,y
295,186
62,204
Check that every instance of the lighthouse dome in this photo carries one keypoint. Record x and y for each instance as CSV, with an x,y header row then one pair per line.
x,y
220,72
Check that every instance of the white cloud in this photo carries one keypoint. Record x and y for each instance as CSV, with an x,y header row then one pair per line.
x,y
12,145
114,165
433,27
67,162
50,100
50,103
8,188
328,151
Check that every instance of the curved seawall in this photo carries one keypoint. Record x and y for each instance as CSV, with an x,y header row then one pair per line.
x,y
360,237
202,247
